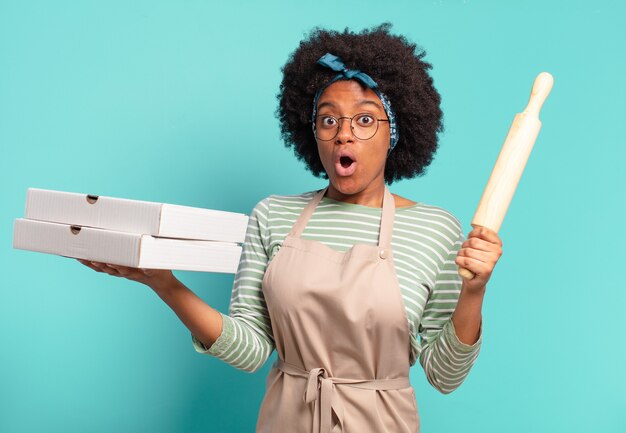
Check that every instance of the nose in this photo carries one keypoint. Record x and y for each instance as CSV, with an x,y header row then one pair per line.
x,y
344,135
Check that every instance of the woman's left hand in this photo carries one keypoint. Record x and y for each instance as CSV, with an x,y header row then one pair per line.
x,y
479,254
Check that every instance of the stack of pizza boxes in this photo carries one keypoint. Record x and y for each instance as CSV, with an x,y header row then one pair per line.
x,y
131,233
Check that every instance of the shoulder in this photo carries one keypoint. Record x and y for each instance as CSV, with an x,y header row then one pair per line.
x,y
433,219
288,201
431,213
282,203
426,210
401,202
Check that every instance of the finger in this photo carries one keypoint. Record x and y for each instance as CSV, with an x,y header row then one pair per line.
x,y
106,269
483,256
477,267
124,271
111,272
486,234
96,266
89,265
482,245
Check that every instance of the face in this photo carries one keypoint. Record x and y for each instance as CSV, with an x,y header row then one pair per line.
x,y
354,166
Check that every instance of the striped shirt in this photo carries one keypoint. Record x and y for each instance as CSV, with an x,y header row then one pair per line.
x,y
425,242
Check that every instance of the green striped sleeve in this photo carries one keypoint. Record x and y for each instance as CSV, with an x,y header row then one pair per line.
x,y
445,359
246,340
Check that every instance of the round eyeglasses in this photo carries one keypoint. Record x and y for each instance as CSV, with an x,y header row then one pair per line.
x,y
363,126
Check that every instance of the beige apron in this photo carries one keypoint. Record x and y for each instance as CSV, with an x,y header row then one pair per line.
x,y
342,337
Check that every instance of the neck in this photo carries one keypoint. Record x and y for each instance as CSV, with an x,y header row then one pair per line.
x,y
371,197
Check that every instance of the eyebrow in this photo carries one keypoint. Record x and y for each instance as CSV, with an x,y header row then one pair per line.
x,y
325,104
369,102
360,102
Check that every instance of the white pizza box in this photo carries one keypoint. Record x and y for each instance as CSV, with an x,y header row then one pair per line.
x,y
134,216
126,249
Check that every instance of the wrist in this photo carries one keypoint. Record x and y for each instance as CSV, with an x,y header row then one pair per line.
x,y
164,285
468,289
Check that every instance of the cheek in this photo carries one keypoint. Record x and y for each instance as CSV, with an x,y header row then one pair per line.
x,y
377,155
323,152
324,158
375,161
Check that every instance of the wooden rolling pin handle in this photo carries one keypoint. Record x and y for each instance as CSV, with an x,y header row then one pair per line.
x,y
466,274
540,91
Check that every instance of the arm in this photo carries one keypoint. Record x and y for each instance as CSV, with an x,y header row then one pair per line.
x,y
451,326
246,340
199,317
445,358
479,254
196,315
243,339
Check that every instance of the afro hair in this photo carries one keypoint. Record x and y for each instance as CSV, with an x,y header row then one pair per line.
x,y
394,63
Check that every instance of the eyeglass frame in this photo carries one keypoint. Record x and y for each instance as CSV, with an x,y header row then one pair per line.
x,y
351,127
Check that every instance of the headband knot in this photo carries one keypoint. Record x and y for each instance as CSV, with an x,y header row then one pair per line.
x,y
336,64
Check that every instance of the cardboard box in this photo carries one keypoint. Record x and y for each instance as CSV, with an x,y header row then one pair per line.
x,y
134,216
126,249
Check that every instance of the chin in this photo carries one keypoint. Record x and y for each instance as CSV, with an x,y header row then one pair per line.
x,y
347,186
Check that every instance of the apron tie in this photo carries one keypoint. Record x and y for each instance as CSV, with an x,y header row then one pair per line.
x,y
312,385
320,390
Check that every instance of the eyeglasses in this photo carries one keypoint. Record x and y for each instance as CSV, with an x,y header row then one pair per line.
x,y
363,126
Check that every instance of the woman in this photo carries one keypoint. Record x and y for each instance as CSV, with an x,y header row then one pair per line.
x,y
350,284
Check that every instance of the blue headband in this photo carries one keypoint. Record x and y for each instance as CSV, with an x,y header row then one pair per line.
x,y
336,64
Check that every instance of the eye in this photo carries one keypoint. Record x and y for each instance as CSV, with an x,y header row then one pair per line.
x,y
327,121
365,120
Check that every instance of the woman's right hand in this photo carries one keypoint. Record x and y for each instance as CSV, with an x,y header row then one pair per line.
x,y
154,278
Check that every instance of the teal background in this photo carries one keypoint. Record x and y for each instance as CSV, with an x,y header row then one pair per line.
x,y
174,102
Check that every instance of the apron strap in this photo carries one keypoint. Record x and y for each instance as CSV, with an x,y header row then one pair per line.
x,y
386,220
303,219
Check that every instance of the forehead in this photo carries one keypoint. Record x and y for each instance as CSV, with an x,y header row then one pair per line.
x,y
349,94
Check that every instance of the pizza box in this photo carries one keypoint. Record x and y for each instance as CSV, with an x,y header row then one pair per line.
x,y
134,216
126,249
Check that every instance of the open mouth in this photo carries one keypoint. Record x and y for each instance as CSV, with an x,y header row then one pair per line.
x,y
345,161
345,164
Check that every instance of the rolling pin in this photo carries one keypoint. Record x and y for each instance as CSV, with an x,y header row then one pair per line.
x,y
511,162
